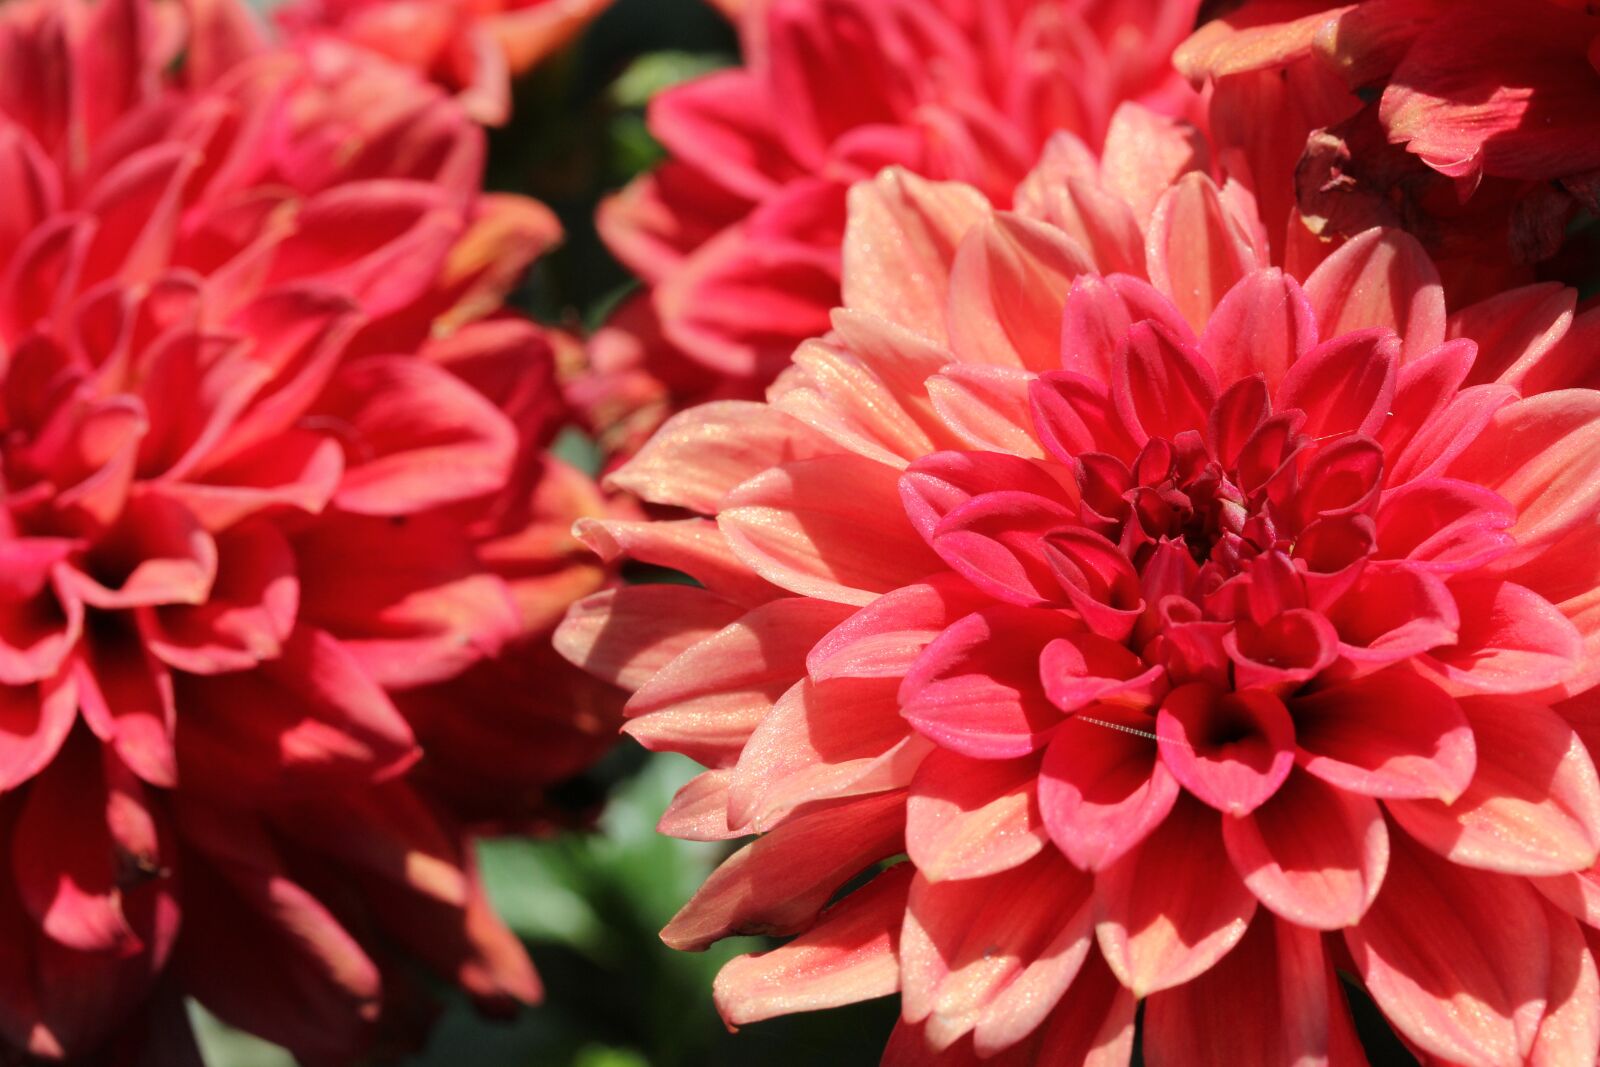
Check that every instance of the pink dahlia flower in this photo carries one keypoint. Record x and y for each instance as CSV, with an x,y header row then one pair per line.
x,y
1482,134
273,493
1195,629
471,48
737,235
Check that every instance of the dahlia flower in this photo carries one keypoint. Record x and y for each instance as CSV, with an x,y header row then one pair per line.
x,y
272,494
1192,628
471,48
1475,108
737,234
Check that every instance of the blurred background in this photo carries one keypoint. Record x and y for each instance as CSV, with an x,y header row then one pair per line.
x,y
589,905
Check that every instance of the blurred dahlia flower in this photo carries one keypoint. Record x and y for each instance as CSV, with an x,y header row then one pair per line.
x,y
1481,134
737,235
1195,628
274,498
471,48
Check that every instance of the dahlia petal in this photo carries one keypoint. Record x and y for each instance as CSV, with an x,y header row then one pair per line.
x,y
778,883
1173,906
996,540
706,701
1533,806
422,438
694,546
822,741
1196,252
1094,217
250,613
986,408
1458,960
1542,454
298,469
125,696
849,956
1264,325
1279,979
34,723
1444,523
1434,448
699,455
792,526
1394,614
1103,787
1094,325
1313,854
938,484
1347,737
836,393
883,639
1261,36
156,554
1147,153
625,636
975,689
1380,278
1512,640
1423,387
1231,750
711,120
1570,1031
699,810
1162,385
135,207
1345,385
63,860
1291,647
309,717
1515,332
993,955
968,818
221,35
1008,284
1074,415
38,627
1083,669
1097,579
900,245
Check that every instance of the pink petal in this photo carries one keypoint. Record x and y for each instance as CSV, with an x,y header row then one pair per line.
x,y
1312,854
778,883
1345,385
1515,332
793,527
625,636
883,639
986,408
1231,750
969,818
1195,250
694,546
1533,806
849,956
1099,311
936,485
34,722
1146,154
1103,788
997,541
1348,738
125,695
1008,285
1381,278
1264,325
156,554
994,954
900,246
1163,386
697,456
1512,640
699,811
1173,906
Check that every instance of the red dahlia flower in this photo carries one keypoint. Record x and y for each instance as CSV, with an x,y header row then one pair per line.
x,y
471,48
1194,628
273,494
737,235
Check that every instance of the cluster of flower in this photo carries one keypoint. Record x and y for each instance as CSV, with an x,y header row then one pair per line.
x,y
1139,468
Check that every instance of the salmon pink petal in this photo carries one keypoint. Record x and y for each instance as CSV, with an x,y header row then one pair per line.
x,y
1173,906
884,639
1512,640
1103,787
708,698
1162,386
1446,524
1264,325
998,542
1347,738
156,554
1073,415
968,818
1097,579
1313,854
694,546
1099,311
1380,278
1345,385
1231,750
849,956
1195,250
793,527
712,116
986,408
1533,806
1394,614
1083,669
38,627
777,885
901,244
993,955
626,635
839,394
1515,332
1459,960
699,455
298,469
699,811
1008,285
938,484
1280,979
976,688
